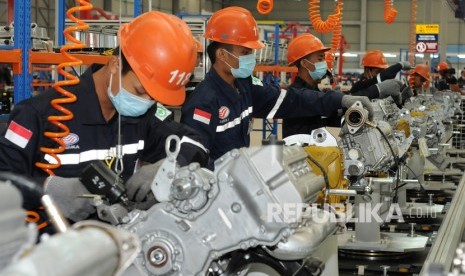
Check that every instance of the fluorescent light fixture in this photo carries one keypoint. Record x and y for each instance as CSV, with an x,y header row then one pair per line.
x,y
349,55
420,55
389,55
461,56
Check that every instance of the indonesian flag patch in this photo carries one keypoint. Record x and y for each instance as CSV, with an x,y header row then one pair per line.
x,y
202,116
18,135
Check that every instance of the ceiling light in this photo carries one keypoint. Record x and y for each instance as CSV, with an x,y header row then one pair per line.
x,y
420,55
461,56
349,55
390,55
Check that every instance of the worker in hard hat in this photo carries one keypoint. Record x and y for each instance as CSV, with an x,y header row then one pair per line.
x,y
308,54
446,79
418,77
127,91
222,106
377,80
461,80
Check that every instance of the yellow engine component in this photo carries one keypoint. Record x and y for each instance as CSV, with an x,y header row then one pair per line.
x,y
404,125
332,161
417,114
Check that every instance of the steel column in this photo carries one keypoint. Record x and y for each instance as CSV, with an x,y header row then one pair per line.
x,y
22,33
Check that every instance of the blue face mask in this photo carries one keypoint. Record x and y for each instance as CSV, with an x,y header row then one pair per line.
x,y
246,66
320,70
128,104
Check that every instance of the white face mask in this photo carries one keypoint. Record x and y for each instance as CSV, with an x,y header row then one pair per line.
x,y
128,104
246,65
321,68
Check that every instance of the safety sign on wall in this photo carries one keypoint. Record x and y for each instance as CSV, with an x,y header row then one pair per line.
x,y
427,38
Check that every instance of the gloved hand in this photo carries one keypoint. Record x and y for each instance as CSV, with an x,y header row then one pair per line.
x,y
405,65
65,193
138,187
348,101
406,93
390,88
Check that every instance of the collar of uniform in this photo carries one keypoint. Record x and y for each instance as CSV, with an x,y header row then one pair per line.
x,y
224,88
300,83
88,96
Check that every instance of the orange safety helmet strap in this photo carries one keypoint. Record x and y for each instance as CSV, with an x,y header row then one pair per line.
x,y
304,45
161,51
234,25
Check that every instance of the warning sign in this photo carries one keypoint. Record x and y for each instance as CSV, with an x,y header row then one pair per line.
x,y
427,43
427,28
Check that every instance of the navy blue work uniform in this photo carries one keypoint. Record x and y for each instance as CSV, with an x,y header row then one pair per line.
x,y
444,83
223,114
91,136
367,87
305,125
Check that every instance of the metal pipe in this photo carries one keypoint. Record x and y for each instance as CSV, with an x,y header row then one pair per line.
x,y
382,180
342,192
409,180
57,219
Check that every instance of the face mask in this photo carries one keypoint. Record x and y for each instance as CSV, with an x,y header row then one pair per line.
x,y
320,70
246,66
128,104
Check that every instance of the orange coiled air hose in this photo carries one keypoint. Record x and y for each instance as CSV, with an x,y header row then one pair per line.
x,y
333,23
411,81
412,42
70,79
264,6
34,217
389,12
315,18
337,34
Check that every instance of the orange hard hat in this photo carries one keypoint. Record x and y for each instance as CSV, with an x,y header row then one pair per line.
x,y
422,70
164,60
234,25
303,45
198,45
442,66
375,59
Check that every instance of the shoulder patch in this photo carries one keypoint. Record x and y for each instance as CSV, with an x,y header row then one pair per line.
x,y
162,112
256,81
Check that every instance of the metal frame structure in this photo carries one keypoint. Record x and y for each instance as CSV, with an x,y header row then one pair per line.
x,y
21,56
22,33
450,234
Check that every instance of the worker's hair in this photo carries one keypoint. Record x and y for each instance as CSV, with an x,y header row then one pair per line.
x,y
213,46
124,62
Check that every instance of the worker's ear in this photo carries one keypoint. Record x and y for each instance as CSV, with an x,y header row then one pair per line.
x,y
113,64
221,54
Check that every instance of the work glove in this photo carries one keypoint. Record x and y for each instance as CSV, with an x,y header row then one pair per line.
x,y
138,187
405,65
406,93
66,194
390,88
348,101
